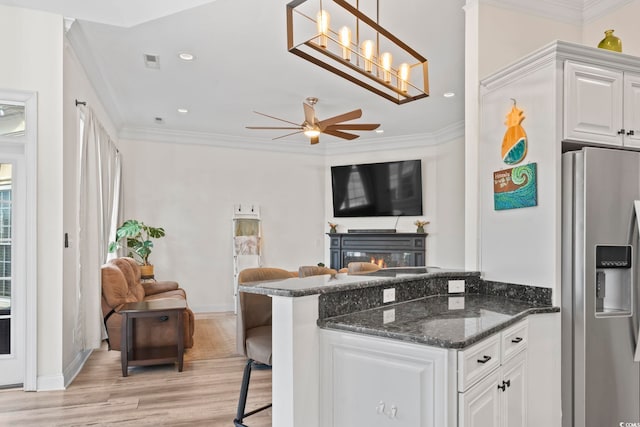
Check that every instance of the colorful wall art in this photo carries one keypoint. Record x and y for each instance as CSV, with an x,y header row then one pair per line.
x,y
515,188
514,143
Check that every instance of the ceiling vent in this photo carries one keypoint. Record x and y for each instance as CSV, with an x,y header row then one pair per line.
x,y
151,61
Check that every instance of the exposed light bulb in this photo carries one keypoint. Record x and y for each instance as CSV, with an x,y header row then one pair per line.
x,y
322,21
403,72
367,52
386,59
345,41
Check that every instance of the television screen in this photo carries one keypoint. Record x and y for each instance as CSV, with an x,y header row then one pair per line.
x,y
377,189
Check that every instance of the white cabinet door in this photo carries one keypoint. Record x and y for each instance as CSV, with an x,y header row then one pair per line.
x,y
373,382
480,405
592,104
514,396
632,110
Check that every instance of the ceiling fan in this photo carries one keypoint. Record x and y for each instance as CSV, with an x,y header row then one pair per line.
x,y
313,127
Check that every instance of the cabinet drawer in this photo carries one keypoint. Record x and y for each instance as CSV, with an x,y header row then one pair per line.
x,y
477,361
514,340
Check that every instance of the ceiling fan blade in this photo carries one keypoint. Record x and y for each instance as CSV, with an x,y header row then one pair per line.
x,y
351,115
276,118
284,136
314,140
359,126
271,127
340,134
309,113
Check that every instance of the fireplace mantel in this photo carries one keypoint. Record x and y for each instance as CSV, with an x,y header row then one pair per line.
x,y
392,249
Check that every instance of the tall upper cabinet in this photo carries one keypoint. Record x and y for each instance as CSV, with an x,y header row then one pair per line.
x,y
602,105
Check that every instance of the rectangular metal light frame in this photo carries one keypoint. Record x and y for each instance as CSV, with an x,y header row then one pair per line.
x,y
377,85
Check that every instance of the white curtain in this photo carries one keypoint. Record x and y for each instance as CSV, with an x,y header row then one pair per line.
x,y
99,196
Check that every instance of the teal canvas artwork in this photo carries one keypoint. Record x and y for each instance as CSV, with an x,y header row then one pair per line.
x,y
515,188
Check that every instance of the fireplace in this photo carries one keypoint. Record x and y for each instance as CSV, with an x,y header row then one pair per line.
x,y
383,249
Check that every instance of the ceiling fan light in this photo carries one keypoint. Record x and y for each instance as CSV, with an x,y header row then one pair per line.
x,y
312,133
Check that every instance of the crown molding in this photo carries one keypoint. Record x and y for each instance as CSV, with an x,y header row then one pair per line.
x,y
173,136
555,52
575,12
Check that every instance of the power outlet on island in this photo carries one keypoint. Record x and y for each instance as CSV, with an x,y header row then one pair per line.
x,y
389,316
456,286
389,295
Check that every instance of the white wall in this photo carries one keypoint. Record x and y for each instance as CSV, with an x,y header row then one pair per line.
x,y
625,23
32,61
76,86
520,245
443,199
506,35
499,36
190,190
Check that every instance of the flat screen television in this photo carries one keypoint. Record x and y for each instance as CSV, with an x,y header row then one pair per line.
x,y
377,189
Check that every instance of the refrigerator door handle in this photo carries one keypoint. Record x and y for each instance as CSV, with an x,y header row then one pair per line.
x,y
635,318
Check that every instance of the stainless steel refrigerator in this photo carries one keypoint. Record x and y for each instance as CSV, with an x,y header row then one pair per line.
x,y
600,294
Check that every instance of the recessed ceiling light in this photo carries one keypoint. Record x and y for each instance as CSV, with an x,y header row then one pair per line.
x,y
448,94
379,130
183,110
186,56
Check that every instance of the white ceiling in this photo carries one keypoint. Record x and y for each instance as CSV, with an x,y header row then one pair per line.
x,y
242,64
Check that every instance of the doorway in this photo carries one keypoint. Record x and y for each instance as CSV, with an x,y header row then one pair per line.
x,y
17,249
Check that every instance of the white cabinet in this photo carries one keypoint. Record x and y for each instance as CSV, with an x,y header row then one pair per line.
x,y
376,382
373,382
601,105
498,398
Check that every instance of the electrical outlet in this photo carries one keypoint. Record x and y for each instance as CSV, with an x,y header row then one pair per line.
x,y
456,286
389,316
456,303
389,295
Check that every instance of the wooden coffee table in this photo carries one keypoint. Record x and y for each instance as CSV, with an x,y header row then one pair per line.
x,y
131,356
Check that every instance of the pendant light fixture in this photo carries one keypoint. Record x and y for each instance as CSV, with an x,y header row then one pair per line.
x,y
360,50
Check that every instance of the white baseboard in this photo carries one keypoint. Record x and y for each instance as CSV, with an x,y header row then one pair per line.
x,y
211,308
50,382
73,369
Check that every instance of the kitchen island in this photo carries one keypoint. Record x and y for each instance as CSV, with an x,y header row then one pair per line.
x,y
409,305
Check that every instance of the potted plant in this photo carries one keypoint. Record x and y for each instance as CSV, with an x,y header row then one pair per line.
x,y
138,237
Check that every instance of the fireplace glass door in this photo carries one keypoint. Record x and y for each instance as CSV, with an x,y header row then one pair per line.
x,y
381,259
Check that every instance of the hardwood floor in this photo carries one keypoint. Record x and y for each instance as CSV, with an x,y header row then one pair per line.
x,y
205,393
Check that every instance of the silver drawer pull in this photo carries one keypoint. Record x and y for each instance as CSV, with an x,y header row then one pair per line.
x,y
516,340
380,408
484,359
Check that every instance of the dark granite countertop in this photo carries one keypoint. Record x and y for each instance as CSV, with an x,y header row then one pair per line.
x,y
433,320
313,285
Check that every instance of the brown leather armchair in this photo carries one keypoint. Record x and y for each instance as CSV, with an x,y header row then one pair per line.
x,y
121,284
